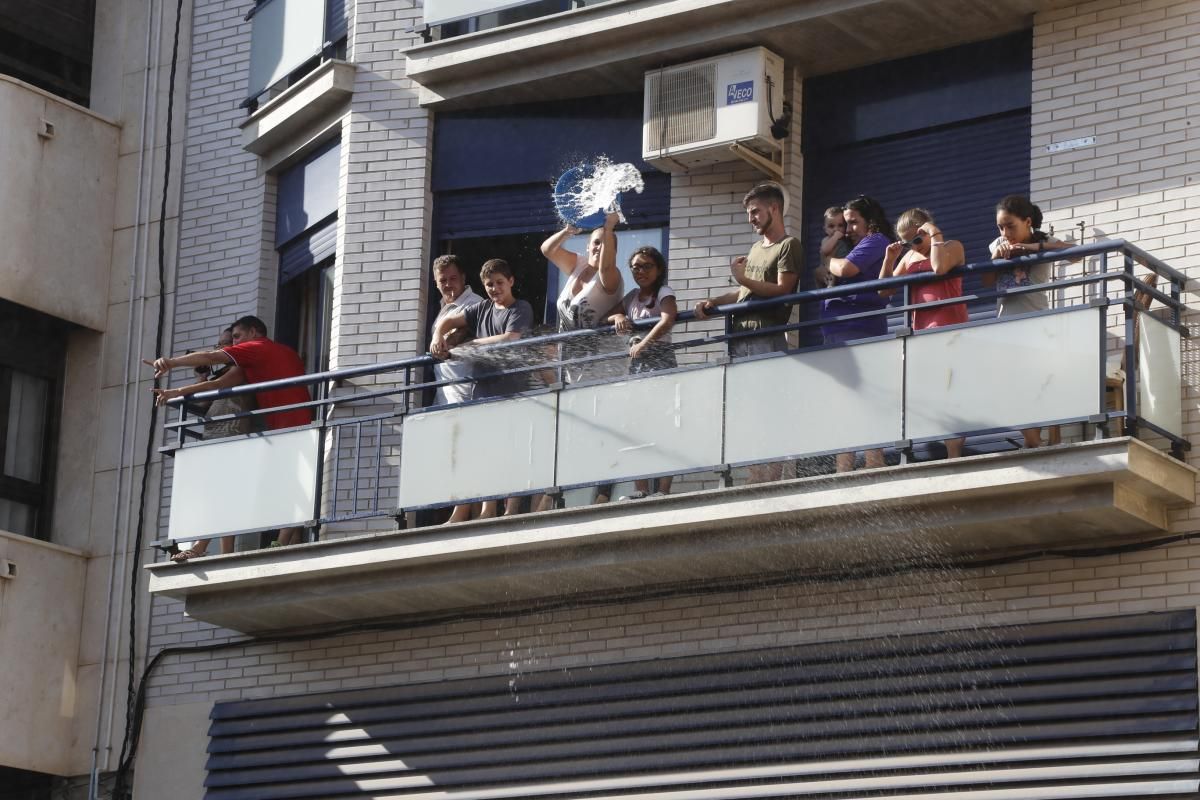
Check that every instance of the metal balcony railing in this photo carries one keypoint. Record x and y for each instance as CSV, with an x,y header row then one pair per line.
x,y
374,453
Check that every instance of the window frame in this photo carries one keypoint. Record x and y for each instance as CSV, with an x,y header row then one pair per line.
x,y
36,346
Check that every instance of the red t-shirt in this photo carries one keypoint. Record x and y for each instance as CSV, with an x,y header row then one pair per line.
x,y
265,360
936,290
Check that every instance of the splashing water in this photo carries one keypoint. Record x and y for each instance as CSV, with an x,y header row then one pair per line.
x,y
598,188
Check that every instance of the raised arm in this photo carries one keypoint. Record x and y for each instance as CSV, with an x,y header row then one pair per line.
x,y
553,250
610,276
944,255
234,376
893,265
202,358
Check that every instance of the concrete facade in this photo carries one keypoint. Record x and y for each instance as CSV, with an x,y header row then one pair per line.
x,y
83,200
1120,71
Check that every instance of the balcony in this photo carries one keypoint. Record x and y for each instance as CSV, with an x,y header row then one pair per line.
x,y
300,114
41,622
905,393
59,163
608,46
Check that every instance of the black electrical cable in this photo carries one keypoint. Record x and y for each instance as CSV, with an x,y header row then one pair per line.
x,y
133,707
697,588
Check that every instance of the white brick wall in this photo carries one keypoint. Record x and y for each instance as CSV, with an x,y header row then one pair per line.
x,y
224,212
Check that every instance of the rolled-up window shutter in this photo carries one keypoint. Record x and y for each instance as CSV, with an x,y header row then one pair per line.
x,y
306,213
335,20
307,250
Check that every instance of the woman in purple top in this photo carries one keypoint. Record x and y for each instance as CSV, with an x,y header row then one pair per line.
x,y
869,232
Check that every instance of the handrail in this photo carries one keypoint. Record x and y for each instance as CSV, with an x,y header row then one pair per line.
x,y
344,439
809,296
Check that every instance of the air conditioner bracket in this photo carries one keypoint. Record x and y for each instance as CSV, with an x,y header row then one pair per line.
x,y
770,166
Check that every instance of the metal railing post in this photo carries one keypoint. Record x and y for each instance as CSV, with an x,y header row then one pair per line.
x,y
1131,364
357,466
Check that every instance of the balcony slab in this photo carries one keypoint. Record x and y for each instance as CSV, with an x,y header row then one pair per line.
x,y
607,47
281,129
58,169
1082,493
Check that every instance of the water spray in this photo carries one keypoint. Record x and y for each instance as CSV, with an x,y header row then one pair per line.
x,y
586,193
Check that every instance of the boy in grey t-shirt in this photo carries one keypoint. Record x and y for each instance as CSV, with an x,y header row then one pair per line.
x,y
500,318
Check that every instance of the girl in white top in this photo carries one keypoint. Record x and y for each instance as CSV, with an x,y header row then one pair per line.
x,y
593,286
649,350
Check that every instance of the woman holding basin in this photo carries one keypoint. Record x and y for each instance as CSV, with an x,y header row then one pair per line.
x,y
593,286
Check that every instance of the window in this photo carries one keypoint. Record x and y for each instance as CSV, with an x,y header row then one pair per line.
x,y
49,45
289,39
306,239
449,18
32,356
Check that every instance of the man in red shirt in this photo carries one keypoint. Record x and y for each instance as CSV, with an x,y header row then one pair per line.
x,y
253,358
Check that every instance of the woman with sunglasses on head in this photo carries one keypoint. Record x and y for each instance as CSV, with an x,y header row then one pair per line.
x,y
929,251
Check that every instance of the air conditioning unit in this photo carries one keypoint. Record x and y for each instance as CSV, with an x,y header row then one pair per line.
x,y
718,109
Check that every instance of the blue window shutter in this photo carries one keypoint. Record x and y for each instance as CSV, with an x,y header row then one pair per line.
x,y
958,173
335,20
308,193
512,145
317,244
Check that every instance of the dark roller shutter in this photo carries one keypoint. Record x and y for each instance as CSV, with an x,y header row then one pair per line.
x,y
306,213
335,20
957,172
307,250
1081,709
529,208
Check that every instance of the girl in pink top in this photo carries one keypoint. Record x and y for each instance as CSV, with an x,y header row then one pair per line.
x,y
928,251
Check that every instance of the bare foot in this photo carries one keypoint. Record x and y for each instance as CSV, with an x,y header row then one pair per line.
x,y
460,514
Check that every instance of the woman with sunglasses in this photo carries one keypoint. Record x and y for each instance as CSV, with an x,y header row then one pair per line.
x,y
649,351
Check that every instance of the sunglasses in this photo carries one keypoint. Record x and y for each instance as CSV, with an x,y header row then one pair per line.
x,y
642,267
